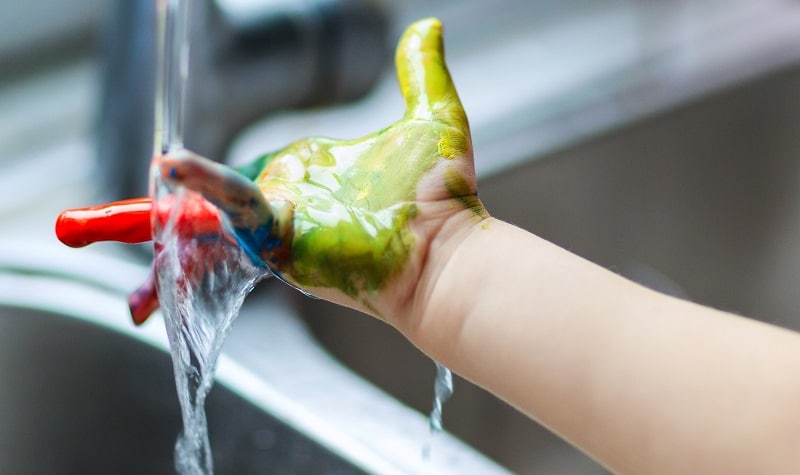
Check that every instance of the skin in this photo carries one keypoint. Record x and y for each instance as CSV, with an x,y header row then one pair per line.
x,y
391,224
640,381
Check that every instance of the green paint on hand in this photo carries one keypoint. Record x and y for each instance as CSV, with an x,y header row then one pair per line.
x,y
354,255
353,200
460,189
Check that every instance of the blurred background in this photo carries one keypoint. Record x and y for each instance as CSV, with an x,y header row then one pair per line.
x,y
658,138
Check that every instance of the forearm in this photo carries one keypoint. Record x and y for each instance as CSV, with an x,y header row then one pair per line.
x,y
643,382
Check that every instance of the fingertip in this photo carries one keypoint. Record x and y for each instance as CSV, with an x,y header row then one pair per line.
x,y
168,168
421,36
143,301
124,221
176,165
66,229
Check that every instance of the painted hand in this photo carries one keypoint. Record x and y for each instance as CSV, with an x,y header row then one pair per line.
x,y
347,220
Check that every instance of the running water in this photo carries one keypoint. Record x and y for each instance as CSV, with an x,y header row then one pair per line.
x,y
202,279
202,282
442,389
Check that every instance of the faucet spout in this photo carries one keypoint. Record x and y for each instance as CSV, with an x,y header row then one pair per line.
x,y
248,60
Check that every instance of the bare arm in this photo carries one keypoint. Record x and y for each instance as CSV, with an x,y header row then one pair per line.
x,y
642,382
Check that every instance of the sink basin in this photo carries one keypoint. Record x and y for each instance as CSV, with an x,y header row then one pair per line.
x,y
87,395
84,391
79,398
700,201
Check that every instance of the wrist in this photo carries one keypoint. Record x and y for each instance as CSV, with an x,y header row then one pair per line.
x,y
439,276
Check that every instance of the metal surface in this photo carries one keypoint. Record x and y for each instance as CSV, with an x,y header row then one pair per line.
x,y
84,391
79,398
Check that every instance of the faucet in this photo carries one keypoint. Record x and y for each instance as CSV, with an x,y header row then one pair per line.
x,y
249,58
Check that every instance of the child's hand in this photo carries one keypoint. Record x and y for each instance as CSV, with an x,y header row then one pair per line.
x,y
350,220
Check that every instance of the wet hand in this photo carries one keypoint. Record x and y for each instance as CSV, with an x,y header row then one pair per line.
x,y
350,220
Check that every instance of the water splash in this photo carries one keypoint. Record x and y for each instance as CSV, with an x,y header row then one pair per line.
x,y
202,283
443,390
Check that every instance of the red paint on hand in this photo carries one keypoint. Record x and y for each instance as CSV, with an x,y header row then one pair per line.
x,y
131,221
124,221
143,301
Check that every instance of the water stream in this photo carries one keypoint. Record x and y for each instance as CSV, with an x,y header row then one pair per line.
x,y
202,279
202,282
442,390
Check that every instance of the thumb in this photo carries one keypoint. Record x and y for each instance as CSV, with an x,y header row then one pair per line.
x,y
425,82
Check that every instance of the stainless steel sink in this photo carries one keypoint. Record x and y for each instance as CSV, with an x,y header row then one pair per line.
x,y
84,391
79,398
83,395
701,201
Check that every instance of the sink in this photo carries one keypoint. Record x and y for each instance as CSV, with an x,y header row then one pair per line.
x,y
79,398
84,391
701,200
